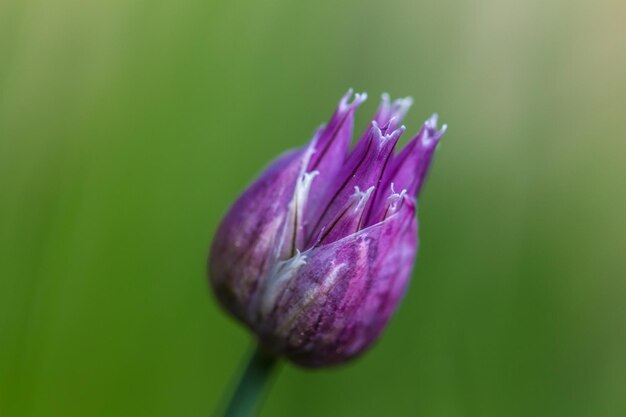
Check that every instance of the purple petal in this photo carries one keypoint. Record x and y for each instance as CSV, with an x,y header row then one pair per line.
x,y
390,115
251,236
362,169
330,149
349,220
332,302
408,169
333,140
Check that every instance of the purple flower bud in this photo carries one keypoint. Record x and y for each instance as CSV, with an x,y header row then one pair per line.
x,y
316,253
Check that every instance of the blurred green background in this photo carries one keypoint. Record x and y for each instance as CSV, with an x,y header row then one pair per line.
x,y
128,127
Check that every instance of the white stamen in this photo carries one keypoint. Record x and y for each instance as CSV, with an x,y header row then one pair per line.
x,y
282,273
302,189
362,197
394,201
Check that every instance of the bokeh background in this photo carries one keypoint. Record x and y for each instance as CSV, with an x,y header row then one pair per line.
x,y
128,127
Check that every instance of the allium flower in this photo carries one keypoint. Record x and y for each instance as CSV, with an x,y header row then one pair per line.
x,y
316,253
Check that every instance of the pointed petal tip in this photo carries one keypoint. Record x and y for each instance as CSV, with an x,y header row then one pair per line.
x,y
381,133
390,114
395,135
345,104
384,107
402,105
429,135
359,98
431,122
407,101
399,102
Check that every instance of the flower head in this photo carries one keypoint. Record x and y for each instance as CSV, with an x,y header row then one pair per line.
x,y
314,256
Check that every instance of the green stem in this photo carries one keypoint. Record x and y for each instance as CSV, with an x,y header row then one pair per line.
x,y
251,386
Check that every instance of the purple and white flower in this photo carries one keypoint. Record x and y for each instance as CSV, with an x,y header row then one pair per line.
x,y
315,255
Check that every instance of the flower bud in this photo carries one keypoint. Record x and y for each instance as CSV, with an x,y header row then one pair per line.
x,y
315,255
